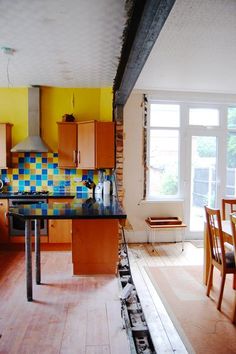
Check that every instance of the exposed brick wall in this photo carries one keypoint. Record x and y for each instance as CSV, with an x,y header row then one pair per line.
x,y
119,135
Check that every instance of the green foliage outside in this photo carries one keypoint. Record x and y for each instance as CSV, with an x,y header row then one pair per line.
x,y
169,185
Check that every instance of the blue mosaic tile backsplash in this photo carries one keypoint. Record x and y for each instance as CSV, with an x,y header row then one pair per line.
x,y
40,171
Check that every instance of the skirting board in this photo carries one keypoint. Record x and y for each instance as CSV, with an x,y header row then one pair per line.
x,y
132,236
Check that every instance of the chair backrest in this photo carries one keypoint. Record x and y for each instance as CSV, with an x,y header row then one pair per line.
x,y
233,226
216,242
228,207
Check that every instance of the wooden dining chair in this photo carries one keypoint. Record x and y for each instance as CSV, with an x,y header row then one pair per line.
x,y
233,226
220,258
228,207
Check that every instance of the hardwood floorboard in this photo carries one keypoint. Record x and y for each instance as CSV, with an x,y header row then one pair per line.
x,y
69,314
163,333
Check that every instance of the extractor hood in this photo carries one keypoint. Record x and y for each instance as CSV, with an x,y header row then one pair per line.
x,y
33,143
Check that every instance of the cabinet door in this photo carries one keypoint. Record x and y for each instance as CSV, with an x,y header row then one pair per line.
x,y
67,144
3,221
5,145
86,145
105,146
60,231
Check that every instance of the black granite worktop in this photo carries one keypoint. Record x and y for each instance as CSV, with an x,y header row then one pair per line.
x,y
91,208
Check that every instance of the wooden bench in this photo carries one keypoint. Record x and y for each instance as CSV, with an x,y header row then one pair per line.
x,y
156,224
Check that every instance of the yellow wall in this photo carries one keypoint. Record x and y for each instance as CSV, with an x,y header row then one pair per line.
x,y
13,109
84,103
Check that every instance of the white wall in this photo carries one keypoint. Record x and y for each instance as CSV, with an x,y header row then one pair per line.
x,y
136,208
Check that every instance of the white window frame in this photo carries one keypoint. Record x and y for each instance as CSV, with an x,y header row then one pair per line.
x,y
184,130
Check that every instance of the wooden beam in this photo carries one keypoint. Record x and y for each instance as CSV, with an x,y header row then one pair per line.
x,y
145,24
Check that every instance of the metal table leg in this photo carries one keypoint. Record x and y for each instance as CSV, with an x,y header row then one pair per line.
x,y
28,260
37,251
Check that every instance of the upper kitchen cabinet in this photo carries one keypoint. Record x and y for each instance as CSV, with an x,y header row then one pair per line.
x,y
95,145
5,145
67,144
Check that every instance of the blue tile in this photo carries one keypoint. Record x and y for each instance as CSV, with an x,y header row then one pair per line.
x,y
55,165
56,172
44,171
50,183
38,165
44,177
21,171
27,183
32,159
67,172
38,177
32,177
38,183
50,165
55,154
26,171
21,159
44,160
33,188
27,154
15,177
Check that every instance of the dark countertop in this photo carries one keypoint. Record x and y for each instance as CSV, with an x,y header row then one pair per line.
x,y
12,195
77,209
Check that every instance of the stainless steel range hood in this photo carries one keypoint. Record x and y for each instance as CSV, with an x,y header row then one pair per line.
x,y
33,143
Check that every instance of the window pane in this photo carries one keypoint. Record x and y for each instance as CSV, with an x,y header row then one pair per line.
x,y
164,115
231,165
232,117
204,117
164,161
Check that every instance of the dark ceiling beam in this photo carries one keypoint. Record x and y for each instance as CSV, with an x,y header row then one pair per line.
x,y
143,28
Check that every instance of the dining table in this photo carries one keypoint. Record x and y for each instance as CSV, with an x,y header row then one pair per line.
x,y
228,238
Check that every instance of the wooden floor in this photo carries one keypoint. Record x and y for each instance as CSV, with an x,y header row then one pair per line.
x,y
82,314
164,335
69,314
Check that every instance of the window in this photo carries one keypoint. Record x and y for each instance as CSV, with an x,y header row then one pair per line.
x,y
204,116
163,150
231,152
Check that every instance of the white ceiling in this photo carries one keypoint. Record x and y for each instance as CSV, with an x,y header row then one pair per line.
x,y
64,43
196,49
77,43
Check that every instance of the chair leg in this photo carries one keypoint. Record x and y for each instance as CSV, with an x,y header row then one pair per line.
x,y
234,316
209,280
221,291
234,281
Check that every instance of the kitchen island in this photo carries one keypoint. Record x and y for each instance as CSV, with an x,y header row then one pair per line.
x,y
95,234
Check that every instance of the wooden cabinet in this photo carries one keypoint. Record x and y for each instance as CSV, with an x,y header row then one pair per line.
x,y
95,244
67,145
3,221
96,148
86,145
59,231
5,145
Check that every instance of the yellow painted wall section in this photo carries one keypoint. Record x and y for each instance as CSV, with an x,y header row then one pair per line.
x,y
83,103
14,109
106,97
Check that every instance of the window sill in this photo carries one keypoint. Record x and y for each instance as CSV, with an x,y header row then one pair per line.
x,y
154,201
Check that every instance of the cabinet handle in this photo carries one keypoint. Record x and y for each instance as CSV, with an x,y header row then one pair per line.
x,y
79,156
74,156
6,218
1,204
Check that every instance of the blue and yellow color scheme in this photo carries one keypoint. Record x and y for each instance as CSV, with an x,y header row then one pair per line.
x,y
40,171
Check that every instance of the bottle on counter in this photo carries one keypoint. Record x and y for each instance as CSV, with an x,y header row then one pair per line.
x,y
106,187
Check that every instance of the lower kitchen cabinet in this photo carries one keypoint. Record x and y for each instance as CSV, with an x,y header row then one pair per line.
x,y
59,231
3,221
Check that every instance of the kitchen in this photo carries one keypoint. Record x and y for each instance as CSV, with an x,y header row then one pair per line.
x,y
68,305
